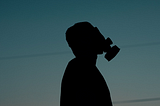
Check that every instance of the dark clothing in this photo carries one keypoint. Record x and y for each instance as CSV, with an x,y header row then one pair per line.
x,y
83,85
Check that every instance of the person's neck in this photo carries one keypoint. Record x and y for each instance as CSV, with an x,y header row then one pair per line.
x,y
89,59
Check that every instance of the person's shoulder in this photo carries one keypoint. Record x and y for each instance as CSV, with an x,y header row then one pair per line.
x,y
72,70
71,64
76,62
74,65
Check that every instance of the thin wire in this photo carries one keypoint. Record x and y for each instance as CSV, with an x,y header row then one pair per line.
x,y
137,100
67,52
141,45
34,55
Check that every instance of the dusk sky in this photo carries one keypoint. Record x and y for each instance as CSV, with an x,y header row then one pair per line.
x,y
34,52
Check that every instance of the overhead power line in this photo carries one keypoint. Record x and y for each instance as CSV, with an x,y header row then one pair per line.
x,y
141,45
35,55
66,52
137,100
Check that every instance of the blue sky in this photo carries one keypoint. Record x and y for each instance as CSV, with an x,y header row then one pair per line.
x,y
33,27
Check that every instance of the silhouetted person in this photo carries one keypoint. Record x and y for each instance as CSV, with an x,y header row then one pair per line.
x,y
82,83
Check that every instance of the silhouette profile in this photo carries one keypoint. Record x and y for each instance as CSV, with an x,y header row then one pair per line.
x,y
82,83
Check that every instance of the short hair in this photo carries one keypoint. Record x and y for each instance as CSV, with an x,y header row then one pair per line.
x,y
83,35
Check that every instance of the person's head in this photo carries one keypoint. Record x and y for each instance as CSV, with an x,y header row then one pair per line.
x,y
84,39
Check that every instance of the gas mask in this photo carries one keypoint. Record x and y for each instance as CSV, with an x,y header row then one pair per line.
x,y
111,52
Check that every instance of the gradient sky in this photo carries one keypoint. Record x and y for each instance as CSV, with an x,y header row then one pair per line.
x,y
29,28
